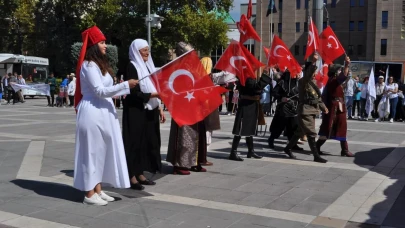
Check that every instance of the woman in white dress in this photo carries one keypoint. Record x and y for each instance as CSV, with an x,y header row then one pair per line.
x,y
99,155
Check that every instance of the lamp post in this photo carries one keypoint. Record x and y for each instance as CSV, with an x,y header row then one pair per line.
x,y
18,33
327,14
152,21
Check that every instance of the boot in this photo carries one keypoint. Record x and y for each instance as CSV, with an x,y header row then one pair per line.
x,y
270,141
296,147
314,150
290,145
319,143
234,154
251,151
345,149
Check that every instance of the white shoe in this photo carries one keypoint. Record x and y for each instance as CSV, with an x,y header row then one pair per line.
x,y
391,120
106,197
95,199
366,119
377,120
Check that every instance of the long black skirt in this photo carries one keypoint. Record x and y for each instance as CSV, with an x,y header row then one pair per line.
x,y
141,136
246,118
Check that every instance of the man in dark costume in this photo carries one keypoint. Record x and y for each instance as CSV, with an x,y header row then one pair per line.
x,y
286,93
334,124
310,102
248,114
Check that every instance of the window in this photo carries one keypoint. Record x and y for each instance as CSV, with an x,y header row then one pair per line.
x,y
280,4
304,49
272,27
351,26
297,50
333,4
306,4
384,19
350,49
359,50
361,3
383,47
352,3
298,4
305,26
333,25
325,25
280,27
361,26
297,27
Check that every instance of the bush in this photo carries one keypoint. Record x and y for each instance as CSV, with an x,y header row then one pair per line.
x,y
112,54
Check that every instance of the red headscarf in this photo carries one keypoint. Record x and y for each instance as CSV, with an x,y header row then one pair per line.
x,y
90,37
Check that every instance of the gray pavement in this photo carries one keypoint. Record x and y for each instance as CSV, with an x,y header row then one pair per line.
x,y
36,169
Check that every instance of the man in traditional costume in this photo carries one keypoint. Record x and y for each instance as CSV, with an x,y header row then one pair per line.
x,y
310,102
334,124
286,93
249,114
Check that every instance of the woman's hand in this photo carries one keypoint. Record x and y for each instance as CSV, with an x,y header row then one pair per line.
x,y
132,83
162,116
154,95
326,110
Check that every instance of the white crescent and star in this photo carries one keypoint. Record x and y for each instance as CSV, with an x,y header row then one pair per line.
x,y
336,42
178,73
278,47
235,58
311,38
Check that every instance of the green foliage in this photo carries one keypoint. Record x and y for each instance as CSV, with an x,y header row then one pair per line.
x,y
112,54
49,28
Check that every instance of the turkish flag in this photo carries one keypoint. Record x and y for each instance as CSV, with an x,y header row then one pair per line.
x,y
322,76
313,40
266,52
187,91
281,56
246,30
237,60
331,48
249,10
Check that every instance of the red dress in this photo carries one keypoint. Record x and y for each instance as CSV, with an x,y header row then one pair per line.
x,y
334,124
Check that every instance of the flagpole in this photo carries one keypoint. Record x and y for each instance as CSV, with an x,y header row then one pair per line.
x,y
271,25
261,29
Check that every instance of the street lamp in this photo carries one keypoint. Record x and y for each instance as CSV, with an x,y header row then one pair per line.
x,y
327,14
18,33
152,21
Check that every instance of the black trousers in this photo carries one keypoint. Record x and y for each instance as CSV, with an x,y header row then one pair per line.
x,y
11,94
400,109
356,103
49,97
71,100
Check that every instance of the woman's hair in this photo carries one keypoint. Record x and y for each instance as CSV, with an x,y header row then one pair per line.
x,y
366,79
94,54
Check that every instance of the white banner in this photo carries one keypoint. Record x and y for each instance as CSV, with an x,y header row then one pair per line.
x,y
42,88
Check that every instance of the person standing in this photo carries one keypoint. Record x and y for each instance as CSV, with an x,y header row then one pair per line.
x,y
310,102
99,153
71,89
349,87
247,115
51,81
141,118
379,88
187,147
356,97
363,99
21,81
334,124
11,93
391,89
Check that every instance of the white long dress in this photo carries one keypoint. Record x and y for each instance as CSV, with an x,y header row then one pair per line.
x,y
100,154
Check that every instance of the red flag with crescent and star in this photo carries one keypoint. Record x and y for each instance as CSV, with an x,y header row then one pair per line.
x,y
187,91
266,52
331,48
246,30
237,60
313,40
249,10
322,76
280,55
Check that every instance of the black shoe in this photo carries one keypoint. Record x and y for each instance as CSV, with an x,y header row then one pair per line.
x,y
313,146
254,155
289,153
235,157
137,186
296,147
146,182
320,160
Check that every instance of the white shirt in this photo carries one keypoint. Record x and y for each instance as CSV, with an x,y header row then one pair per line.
x,y
392,87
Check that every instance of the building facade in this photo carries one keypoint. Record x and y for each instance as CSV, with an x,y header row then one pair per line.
x,y
369,30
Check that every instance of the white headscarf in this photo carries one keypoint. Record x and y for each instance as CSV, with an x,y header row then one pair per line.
x,y
144,69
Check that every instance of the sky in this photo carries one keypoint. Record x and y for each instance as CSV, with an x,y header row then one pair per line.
x,y
235,12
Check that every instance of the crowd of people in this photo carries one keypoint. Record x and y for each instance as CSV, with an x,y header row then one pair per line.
x,y
7,91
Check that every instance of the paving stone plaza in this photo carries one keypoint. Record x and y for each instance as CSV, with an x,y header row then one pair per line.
x,y
37,160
